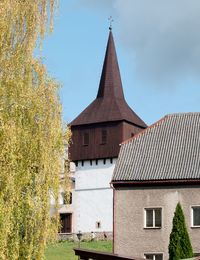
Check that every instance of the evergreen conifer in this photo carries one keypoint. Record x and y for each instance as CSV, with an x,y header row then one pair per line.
x,y
179,246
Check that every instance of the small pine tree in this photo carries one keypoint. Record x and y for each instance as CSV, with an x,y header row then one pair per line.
x,y
179,246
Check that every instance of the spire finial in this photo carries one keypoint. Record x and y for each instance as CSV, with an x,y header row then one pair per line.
x,y
111,21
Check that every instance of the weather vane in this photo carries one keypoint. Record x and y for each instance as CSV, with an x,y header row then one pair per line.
x,y
111,21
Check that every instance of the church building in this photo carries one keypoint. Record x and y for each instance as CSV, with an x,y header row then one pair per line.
x,y
96,136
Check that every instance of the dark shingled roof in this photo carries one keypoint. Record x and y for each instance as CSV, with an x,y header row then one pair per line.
x,y
109,104
167,150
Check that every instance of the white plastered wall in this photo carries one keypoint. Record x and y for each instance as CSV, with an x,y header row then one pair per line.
x,y
93,196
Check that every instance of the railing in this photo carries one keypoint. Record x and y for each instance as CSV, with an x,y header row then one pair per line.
x,y
85,254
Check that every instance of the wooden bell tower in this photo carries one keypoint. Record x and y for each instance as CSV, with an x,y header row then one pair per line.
x,y
108,120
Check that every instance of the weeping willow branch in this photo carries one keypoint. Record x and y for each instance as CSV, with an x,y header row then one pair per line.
x,y
31,134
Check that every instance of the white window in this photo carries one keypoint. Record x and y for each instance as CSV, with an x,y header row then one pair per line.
x,y
153,256
196,216
153,217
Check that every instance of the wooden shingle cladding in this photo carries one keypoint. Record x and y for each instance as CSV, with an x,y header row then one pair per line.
x,y
108,120
110,104
116,132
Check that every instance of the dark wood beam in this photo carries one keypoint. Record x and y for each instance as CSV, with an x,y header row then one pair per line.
x,y
85,254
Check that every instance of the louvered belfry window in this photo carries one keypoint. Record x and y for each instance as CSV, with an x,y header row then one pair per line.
x,y
86,139
103,136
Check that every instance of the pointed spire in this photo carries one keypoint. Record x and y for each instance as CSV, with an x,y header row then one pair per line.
x,y
110,104
110,83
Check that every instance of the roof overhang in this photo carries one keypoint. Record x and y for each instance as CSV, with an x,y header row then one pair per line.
x,y
148,183
105,122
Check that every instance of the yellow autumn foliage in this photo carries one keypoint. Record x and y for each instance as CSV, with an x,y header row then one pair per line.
x,y
31,133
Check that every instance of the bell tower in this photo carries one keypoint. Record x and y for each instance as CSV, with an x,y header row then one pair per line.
x,y
108,120
96,135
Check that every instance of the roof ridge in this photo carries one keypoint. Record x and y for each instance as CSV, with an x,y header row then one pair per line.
x,y
159,121
183,114
145,130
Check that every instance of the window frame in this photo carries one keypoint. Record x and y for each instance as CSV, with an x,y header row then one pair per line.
x,y
153,254
98,224
63,197
86,138
192,216
66,223
104,136
145,217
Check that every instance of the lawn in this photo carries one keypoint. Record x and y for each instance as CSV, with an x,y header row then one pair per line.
x,y
64,250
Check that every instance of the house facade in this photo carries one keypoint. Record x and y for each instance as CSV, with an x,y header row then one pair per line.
x,y
155,170
96,135
66,203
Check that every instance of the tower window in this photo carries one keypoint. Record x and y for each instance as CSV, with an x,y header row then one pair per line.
x,y
98,224
103,136
86,139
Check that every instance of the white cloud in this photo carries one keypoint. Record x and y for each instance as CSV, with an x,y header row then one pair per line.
x,y
163,37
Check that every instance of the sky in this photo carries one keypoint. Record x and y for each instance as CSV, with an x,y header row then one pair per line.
x,y
158,49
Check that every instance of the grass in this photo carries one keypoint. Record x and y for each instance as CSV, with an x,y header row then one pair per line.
x,y
64,250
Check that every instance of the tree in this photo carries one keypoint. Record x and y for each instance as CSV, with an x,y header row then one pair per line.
x,y
31,132
179,246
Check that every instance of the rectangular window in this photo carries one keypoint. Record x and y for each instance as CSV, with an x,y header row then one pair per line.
x,y
196,216
153,218
103,136
153,256
98,224
66,198
66,223
63,198
86,139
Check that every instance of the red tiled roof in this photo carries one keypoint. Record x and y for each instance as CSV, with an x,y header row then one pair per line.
x,y
110,104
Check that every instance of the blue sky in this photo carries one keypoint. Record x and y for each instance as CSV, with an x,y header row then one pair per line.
x,y
158,50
